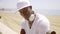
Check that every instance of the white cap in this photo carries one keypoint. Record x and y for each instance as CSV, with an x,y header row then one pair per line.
x,y
22,4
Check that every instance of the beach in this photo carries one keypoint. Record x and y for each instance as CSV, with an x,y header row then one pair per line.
x,y
14,21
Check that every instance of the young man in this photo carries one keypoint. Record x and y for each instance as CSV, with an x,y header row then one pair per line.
x,y
34,23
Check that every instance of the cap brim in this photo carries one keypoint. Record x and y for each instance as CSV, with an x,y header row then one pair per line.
x,y
23,7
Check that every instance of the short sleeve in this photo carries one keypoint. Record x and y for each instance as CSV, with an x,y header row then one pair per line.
x,y
44,25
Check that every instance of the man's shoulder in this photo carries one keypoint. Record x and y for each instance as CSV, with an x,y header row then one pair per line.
x,y
24,22
23,25
41,17
43,21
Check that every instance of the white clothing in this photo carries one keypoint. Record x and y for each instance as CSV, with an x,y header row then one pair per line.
x,y
22,4
40,25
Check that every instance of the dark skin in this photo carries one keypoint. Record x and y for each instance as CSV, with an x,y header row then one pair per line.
x,y
26,12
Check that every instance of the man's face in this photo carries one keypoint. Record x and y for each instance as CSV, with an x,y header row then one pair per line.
x,y
26,12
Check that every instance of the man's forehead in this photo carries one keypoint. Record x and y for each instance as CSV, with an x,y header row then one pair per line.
x,y
24,8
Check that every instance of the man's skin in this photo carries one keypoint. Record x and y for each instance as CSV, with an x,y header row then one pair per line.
x,y
26,12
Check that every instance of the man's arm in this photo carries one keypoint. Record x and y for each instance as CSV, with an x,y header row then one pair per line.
x,y
22,31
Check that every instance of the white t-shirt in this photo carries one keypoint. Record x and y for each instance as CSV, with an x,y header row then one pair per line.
x,y
40,25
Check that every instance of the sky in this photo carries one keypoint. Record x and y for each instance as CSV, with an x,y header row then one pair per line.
x,y
8,4
47,4
42,6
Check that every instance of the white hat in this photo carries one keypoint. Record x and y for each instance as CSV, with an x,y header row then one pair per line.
x,y
22,4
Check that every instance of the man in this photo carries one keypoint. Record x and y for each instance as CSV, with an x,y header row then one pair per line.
x,y
33,23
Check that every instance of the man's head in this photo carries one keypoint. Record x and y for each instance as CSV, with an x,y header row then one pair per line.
x,y
26,12
25,9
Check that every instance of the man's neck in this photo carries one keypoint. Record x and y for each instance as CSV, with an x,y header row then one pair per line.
x,y
30,24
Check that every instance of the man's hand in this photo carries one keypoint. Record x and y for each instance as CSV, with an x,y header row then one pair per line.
x,y
22,31
51,32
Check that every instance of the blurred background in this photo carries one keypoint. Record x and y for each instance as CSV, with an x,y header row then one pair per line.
x,y
10,19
